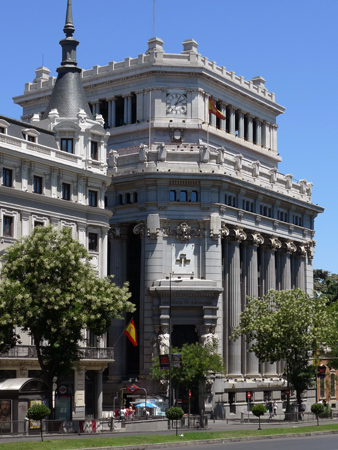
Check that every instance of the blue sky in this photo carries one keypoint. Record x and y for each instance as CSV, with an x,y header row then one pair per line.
x,y
290,43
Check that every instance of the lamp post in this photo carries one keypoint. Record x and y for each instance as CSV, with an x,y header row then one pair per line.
x,y
170,387
170,349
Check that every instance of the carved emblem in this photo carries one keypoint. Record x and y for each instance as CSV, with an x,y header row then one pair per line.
x,y
184,232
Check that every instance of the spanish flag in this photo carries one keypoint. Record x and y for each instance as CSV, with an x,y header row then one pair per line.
x,y
214,110
130,332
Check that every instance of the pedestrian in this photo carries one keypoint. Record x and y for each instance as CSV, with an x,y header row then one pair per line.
x,y
275,408
302,409
270,410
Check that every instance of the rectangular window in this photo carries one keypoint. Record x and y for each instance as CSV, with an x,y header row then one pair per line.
x,y
94,150
333,385
194,196
172,196
8,226
93,242
322,387
7,177
38,224
67,145
37,185
66,191
92,198
31,138
183,196
2,130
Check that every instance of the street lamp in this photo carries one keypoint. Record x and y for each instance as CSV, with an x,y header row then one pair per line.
x,y
170,350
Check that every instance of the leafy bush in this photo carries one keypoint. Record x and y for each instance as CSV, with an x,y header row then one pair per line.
x,y
317,408
326,414
38,412
174,413
258,410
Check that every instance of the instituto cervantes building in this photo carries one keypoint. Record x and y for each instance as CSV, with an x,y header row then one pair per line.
x,y
186,205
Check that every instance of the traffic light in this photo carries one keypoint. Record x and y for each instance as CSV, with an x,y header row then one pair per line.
x,y
322,371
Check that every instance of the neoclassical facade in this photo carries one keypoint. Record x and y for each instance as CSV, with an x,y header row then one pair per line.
x,y
201,217
54,172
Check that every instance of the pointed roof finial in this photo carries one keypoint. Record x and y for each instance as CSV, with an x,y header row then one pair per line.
x,y
69,26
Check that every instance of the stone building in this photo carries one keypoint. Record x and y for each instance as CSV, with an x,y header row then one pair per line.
x,y
201,217
54,171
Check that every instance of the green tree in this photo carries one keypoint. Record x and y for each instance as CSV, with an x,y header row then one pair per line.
x,y
290,326
198,363
49,289
317,409
326,283
258,411
38,413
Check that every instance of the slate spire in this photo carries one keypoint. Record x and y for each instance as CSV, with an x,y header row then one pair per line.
x,y
68,94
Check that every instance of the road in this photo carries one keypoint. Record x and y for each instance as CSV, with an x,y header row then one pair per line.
x,y
298,443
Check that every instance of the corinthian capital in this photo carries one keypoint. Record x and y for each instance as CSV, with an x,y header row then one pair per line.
x,y
239,234
290,247
257,239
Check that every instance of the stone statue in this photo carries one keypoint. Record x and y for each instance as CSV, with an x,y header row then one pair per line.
x,y
164,341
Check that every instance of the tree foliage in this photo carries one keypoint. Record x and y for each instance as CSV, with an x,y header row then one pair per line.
x,y
197,363
326,283
38,412
174,413
290,326
50,290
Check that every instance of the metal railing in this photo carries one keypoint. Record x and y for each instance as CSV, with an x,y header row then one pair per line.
x,y
29,351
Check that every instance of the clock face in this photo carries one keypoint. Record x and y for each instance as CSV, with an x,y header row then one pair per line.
x,y
176,103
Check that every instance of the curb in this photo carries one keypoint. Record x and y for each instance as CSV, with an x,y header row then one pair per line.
x,y
211,441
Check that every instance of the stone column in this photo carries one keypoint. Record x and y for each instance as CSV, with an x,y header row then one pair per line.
x,y
111,112
285,265
125,109
274,136
206,108
152,260
212,117
139,106
249,128
300,268
258,131
224,112
234,269
240,124
232,117
129,110
99,394
266,134
252,361
273,244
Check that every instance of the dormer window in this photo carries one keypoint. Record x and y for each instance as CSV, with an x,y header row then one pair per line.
x,y
67,145
3,126
30,135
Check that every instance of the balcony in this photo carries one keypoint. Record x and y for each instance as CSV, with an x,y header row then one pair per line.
x,y
87,353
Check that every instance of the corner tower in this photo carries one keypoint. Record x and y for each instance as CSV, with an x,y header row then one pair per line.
x,y
68,94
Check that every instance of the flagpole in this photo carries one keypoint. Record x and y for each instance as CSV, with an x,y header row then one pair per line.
x,y
123,332
149,118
